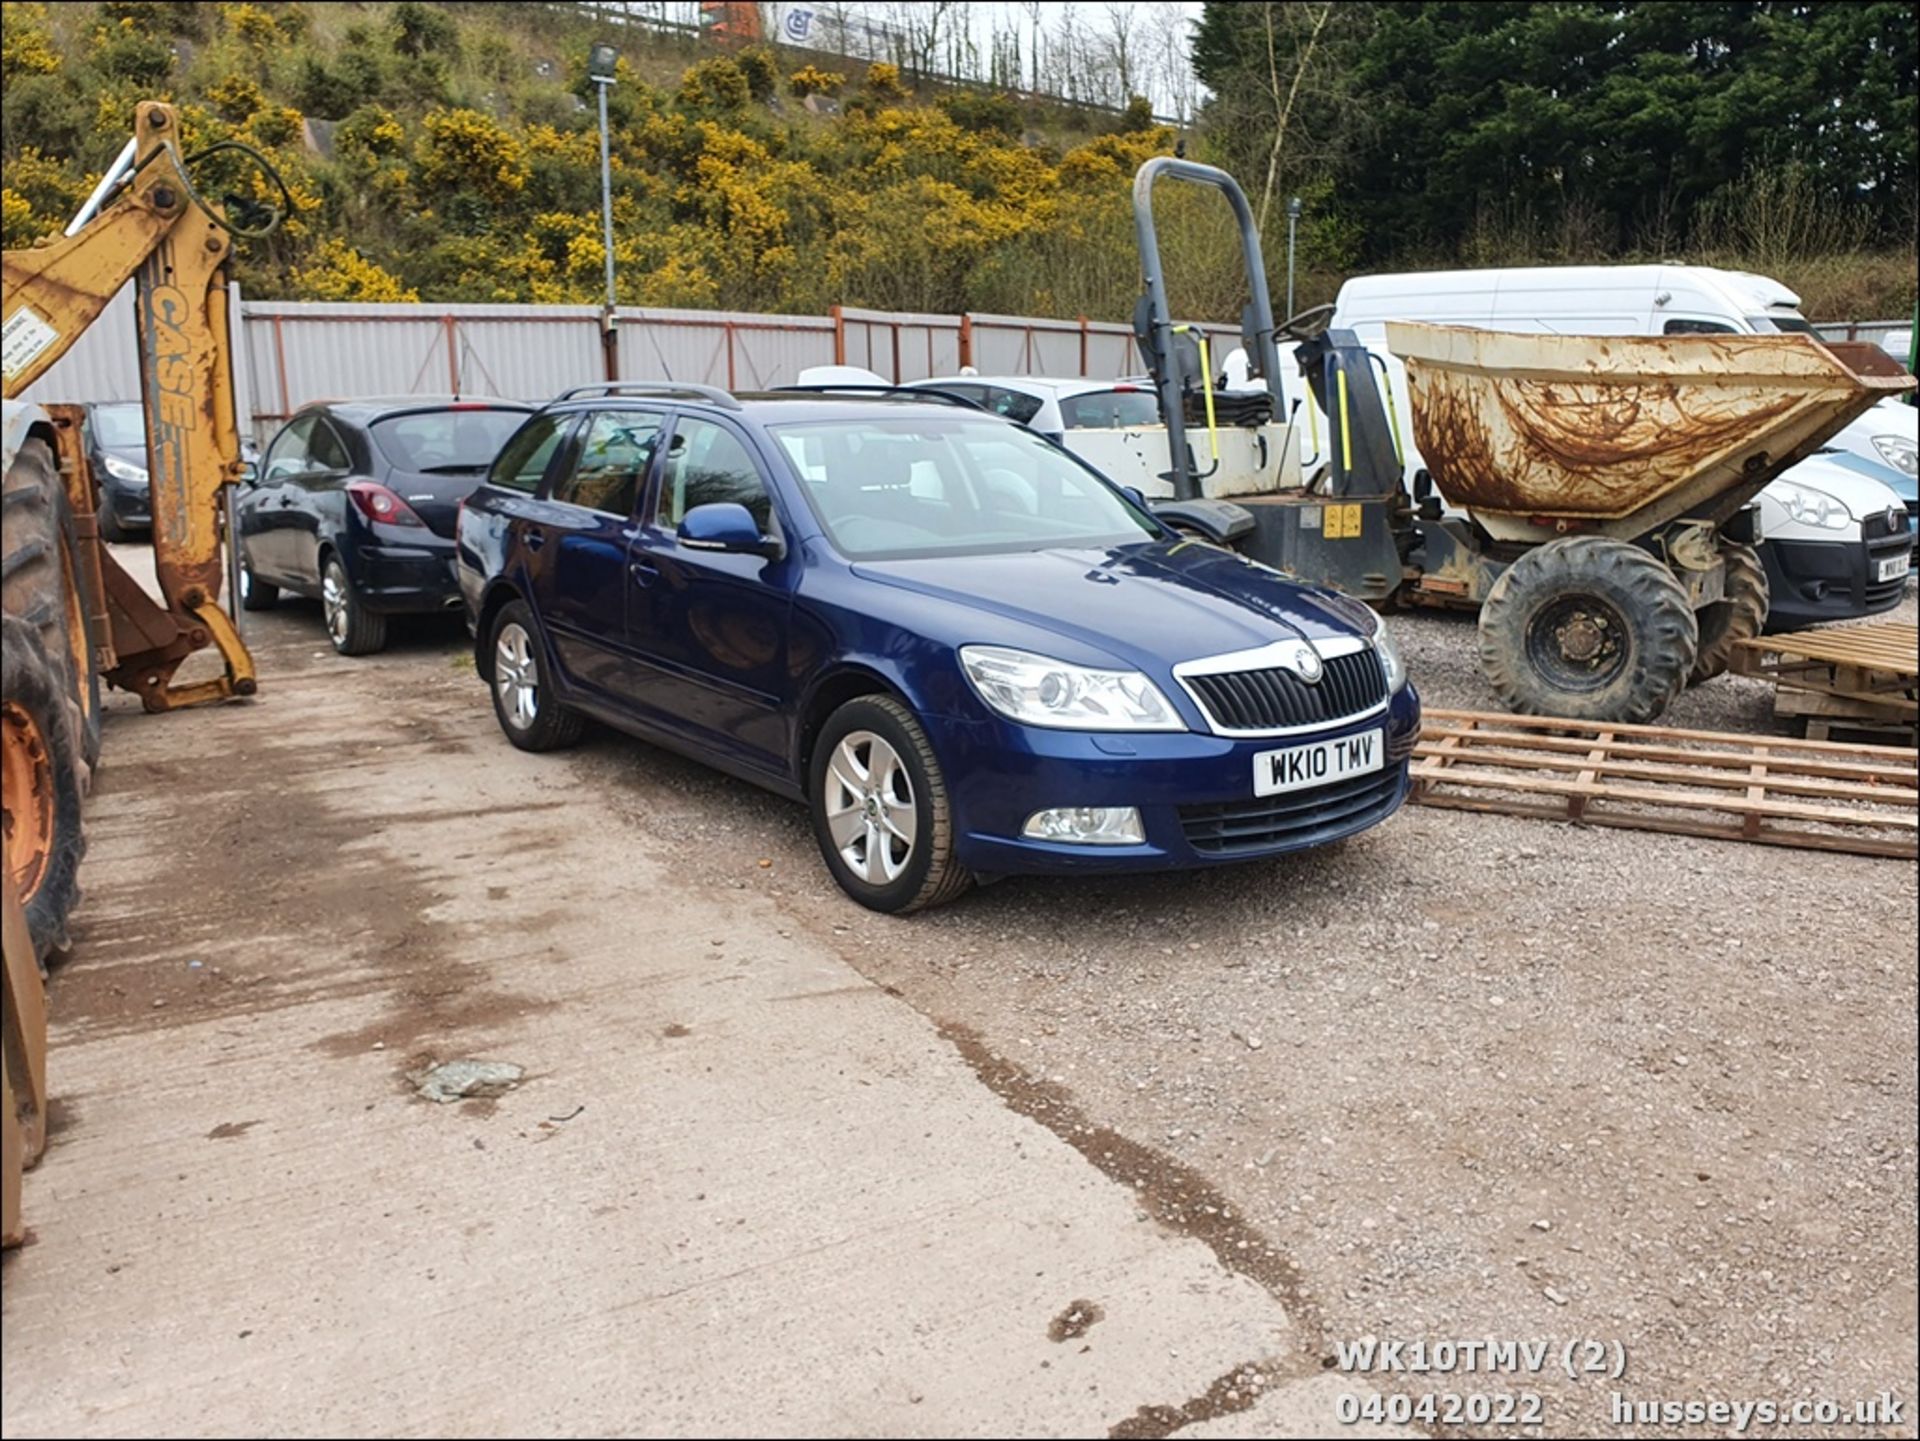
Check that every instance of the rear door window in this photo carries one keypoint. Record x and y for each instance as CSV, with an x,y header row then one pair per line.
x,y
1109,410
1687,325
1014,404
326,451
616,449
288,453
522,464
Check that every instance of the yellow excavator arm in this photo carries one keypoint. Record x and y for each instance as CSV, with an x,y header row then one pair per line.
x,y
148,223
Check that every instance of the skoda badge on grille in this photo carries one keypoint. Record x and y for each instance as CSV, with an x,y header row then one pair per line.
x,y
1305,663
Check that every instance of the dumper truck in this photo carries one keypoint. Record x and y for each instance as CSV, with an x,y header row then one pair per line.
x,y
1605,481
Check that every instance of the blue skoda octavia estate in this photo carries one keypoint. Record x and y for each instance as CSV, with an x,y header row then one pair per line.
x,y
968,653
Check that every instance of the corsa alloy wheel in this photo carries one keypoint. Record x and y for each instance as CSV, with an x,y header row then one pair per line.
x,y
516,676
870,808
334,601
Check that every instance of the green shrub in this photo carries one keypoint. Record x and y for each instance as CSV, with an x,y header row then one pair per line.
x,y
715,85
762,72
983,113
424,29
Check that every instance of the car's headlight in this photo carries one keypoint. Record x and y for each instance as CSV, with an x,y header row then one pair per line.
x,y
1037,690
1388,650
125,470
1808,506
1898,452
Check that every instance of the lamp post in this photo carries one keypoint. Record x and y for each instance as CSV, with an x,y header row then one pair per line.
x,y
1293,219
602,60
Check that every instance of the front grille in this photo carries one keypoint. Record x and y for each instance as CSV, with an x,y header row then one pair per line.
x,y
1884,542
1292,820
1276,698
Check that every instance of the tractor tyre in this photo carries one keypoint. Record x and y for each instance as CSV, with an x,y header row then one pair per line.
x,y
39,788
1588,628
1740,616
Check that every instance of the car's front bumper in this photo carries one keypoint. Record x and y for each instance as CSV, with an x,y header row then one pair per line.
x,y
1810,581
128,503
1194,793
418,576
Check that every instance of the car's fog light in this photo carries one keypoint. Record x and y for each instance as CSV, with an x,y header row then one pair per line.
x,y
1086,826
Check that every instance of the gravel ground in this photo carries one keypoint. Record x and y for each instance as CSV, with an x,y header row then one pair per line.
x,y
1462,1077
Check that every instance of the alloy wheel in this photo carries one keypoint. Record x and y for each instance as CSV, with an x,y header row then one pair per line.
x,y
333,600
516,676
870,807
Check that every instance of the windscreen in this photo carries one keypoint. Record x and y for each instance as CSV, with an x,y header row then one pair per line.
x,y
429,441
901,487
120,427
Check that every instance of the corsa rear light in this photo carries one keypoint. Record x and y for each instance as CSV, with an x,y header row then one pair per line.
x,y
377,503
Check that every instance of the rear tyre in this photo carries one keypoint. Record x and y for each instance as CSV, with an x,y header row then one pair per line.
x,y
353,629
523,699
39,785
256,594
41,584
1741,616
1590,629
880,809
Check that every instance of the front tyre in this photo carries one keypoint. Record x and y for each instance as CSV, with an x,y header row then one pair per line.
x,y
1588,628
523,699
1740,615
880,809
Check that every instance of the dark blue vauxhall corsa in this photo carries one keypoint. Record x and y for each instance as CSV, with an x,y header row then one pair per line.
x,y
967,652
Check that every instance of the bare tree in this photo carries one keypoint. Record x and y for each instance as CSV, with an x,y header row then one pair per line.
x,y
1119,44
1283,99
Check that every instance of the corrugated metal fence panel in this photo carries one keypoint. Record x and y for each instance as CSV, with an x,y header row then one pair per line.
x,y
299,352
103,364
737,350
902,345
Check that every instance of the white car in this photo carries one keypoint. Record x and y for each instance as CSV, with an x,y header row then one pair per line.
x,y
1054,407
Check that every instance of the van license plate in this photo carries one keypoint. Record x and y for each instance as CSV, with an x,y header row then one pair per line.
x,y
1299,767
1895,566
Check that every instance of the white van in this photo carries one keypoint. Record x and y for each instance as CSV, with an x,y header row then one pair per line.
x,y
1832,550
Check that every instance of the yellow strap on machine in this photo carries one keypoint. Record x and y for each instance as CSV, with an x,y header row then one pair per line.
x,y
1206,375
1346,426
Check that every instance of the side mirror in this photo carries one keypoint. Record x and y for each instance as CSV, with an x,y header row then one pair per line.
x,y
1134,494
249,473
726,525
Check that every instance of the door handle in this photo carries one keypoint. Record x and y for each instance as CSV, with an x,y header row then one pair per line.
x,y
535,539
643,573
286,502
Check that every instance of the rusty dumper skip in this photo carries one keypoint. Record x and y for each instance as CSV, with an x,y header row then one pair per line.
x,y
1606,482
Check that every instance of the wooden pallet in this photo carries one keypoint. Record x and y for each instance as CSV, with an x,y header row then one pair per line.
x,y
1778,792
1857,676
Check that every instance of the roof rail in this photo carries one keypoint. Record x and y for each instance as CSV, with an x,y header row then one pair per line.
x,y
684,389
915,392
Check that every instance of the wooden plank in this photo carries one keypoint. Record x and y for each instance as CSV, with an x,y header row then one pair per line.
x,y
1597,764
1461,773
1724,739
1886,646
1891,764
1859,799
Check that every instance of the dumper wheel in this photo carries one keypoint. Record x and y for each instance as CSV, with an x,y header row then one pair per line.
x,y
1588,628
41,584
1741,616
39,786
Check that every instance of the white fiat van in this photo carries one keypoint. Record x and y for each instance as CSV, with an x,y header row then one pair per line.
x,y
1836,542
